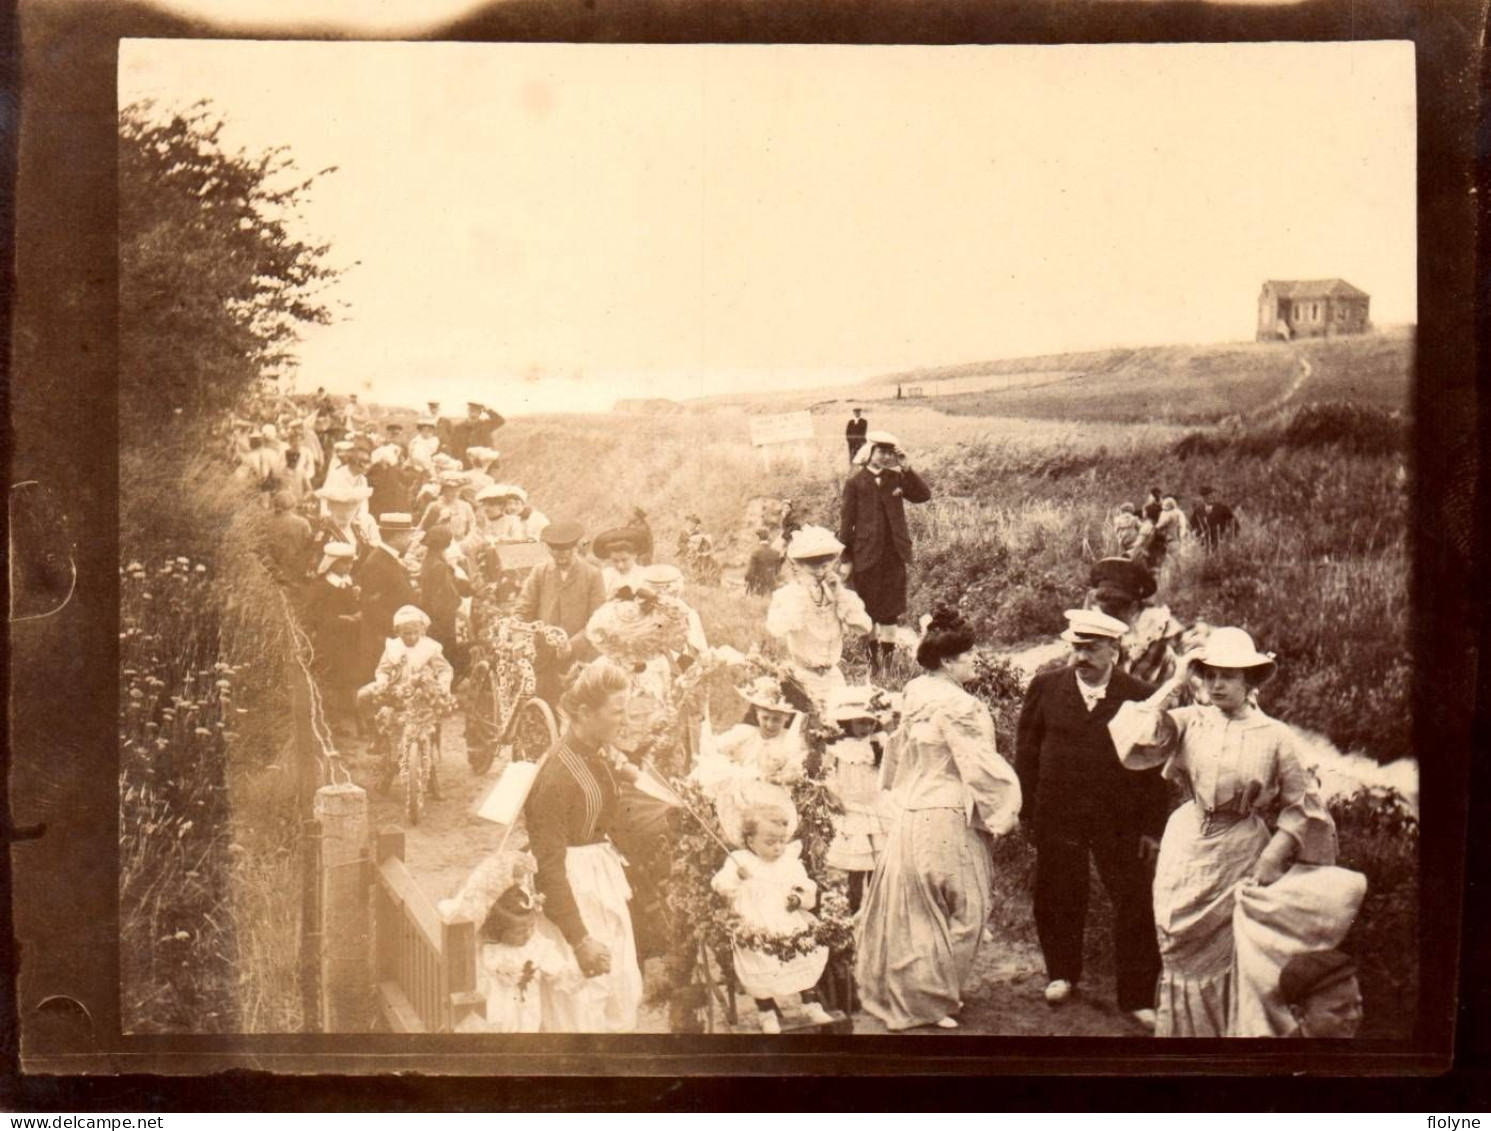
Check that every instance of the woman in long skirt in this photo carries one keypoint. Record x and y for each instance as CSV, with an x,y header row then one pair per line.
x,y
1253,812
924,915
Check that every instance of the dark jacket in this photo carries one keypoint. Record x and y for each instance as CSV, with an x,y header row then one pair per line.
x,y
872,518
1066,762
440,593
385,588
573,802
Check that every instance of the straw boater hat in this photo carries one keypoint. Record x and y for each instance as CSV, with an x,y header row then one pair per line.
x,y
411,614
342,447
606,544
1087,625
1120,577
395,520
451,479
562,534
766,692
1233,648
482,455
425,422
813,542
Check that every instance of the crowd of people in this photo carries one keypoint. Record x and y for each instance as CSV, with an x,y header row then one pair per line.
x,y
1145,754
1146,532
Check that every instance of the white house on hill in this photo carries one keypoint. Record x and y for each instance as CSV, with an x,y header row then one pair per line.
x,y
1311,308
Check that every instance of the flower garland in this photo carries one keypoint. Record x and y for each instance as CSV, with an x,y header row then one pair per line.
x,y
410,707
700,915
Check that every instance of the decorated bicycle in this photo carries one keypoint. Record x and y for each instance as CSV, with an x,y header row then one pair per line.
x,y
410,693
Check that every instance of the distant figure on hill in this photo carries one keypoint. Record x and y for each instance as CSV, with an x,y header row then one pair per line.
x,y
854,432
872,527
766,563
1212,521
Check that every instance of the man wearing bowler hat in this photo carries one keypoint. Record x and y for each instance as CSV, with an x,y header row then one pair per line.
x,y
1080,802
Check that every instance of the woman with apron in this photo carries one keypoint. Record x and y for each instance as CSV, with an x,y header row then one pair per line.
x,y
569,814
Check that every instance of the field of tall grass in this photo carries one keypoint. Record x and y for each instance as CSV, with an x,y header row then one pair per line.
x,y
210,824
1318,573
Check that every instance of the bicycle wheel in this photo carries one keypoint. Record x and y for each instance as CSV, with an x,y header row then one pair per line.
x,y
534,732
414,784
481,719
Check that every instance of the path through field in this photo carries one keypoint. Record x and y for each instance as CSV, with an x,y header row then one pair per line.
x,y
1005,998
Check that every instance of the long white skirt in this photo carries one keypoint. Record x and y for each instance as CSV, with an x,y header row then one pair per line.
x,y
608,1003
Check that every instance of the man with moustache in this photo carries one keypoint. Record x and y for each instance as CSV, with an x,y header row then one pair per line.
x,y
1080,801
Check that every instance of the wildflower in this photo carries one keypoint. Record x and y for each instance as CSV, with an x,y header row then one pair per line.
x,y
184,561
201,568
224,684
181,936
202,732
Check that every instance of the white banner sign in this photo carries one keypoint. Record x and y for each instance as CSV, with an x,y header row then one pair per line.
x,y
782,429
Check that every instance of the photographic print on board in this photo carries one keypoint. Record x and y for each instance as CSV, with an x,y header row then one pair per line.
x,y
766,539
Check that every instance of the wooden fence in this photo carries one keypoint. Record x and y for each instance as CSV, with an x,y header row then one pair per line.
x,y
424,967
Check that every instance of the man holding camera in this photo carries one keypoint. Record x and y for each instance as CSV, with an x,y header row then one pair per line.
x,y
872,527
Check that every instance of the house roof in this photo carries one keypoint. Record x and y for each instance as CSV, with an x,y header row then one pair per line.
x,y
1315,288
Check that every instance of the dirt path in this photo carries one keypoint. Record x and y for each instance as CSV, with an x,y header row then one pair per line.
x,y
1005,996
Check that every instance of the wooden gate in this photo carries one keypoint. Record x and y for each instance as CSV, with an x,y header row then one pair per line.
x,y
424,968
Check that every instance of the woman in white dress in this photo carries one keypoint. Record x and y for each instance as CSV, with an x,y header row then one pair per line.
x,y
812,612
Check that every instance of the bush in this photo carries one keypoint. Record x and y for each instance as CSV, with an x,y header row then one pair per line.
x,y
1379,837
209,827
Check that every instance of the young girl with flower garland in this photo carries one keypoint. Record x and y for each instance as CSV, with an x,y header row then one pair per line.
x,y
853,777
770,891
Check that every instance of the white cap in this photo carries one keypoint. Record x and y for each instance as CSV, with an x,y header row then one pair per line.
x,y
1088,624
813,542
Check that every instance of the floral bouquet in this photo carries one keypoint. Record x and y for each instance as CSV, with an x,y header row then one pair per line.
x,y
636,626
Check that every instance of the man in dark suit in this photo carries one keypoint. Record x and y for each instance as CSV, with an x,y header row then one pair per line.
x,y
385,586
854,433
1212,521
475,431
1080,801
872,527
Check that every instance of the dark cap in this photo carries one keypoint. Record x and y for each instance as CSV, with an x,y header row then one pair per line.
x,y
561,534
1122,576
1307,974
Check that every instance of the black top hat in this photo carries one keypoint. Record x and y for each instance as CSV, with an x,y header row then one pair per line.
x,y
1124,576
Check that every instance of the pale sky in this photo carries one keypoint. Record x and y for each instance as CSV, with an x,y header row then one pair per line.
x,y
551,226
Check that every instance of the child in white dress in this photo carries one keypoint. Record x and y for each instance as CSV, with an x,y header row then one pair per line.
x,y
753,762
770,890
520,964
853,777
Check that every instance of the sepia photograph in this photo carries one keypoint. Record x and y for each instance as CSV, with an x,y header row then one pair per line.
x,y
787,540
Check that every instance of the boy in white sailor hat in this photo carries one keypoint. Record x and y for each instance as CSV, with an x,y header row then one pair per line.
x,y
1080,802
811,613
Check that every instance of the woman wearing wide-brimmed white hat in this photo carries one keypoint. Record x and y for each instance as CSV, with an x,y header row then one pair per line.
x,y
1240,767
811,613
